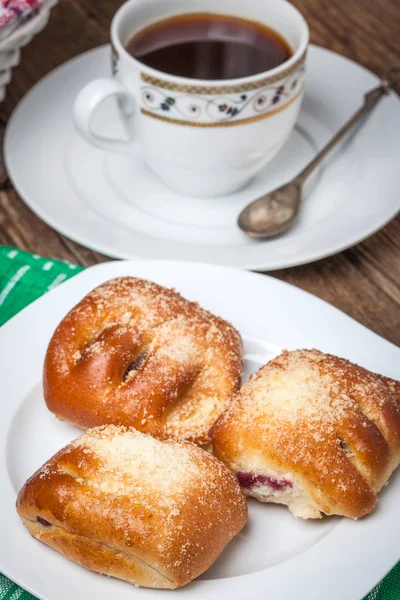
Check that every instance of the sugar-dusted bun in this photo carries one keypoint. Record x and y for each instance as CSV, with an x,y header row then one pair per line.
x,y
314,432
136,354
154,513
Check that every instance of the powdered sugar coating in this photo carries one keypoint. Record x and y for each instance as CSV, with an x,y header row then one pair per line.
x,y
334,425
127,459
192,362
169,504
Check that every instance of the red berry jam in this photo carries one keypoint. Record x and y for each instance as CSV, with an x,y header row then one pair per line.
x,y
249,481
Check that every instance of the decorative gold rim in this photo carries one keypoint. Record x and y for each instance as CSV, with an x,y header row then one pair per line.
x,y
223,89
266,115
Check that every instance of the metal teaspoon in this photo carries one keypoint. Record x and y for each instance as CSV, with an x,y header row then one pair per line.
x,y
275,212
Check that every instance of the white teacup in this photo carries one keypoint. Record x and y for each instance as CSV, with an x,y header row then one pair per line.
x,y
176,125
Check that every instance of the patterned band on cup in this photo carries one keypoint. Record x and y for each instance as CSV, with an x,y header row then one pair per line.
x,y
219,105
216,106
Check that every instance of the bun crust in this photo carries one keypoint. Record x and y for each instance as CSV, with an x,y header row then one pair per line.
x,y
136,354
154,513
314,432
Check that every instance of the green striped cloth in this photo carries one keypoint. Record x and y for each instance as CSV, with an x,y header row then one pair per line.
x,y
23,278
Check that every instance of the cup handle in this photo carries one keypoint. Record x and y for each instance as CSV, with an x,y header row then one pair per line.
x,y
87,102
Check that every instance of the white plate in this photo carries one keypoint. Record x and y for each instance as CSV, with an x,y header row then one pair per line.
x,y
113,204
276,556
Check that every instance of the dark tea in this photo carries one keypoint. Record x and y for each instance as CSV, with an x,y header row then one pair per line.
x,y
209,46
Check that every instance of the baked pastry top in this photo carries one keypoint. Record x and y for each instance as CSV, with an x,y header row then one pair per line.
x,y
314,432
137,354
117,501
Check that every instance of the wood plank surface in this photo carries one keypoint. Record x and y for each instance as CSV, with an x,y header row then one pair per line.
x,y
364,281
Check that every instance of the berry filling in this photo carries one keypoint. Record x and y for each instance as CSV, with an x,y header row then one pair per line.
x,y
135,366
43,522
249,481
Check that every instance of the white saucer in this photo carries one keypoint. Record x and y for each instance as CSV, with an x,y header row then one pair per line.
x,y
116,206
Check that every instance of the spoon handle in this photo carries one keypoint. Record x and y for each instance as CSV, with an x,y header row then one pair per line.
x,y
371,99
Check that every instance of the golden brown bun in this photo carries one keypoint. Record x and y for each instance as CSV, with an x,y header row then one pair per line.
x,y
314,432
136,354
154,513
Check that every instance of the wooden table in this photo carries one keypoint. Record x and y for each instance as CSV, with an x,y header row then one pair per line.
x,y
364,281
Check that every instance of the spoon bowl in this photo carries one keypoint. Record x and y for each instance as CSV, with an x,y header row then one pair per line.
x,y
273,213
